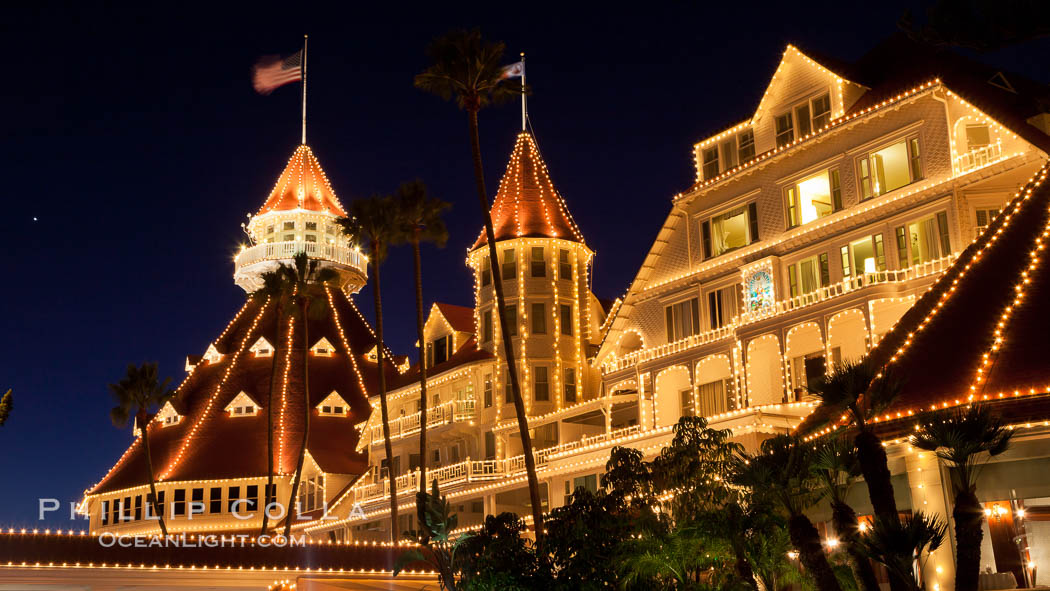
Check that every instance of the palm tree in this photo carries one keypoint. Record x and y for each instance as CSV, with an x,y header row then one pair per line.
x,y
5,407
675,561
136,394
278,286
467,68
784,471
899,542
374,222
420,217
835,464
965,440
856,389
306,275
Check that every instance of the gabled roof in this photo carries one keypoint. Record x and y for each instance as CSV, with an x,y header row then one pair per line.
x,y
242,399
303,185
527,204
460,318
979,334
467,353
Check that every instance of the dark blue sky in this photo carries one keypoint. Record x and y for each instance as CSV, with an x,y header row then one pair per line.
x,y
133,146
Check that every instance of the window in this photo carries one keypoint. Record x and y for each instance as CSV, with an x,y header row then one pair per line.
x,y
537,266
683,319
566,319
486,271
588,482
710,162
722,306
435,458
570,384
311,238
889,168
487,388
712,397
510,315
540,386
289,237
269,229
253,496
234,495
730,230
138,507
490,445
685,397
785,129
289,225
729,152
508,388
984,218
802,120
923,240
179,504
745,146
821,111
215,500
866,255
486,326
329,229
977,136
510,264
442,349
808,274
104,512
539,318
564,266
312,226
813,198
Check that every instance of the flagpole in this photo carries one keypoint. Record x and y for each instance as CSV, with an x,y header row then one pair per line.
x,y
303,66
523,113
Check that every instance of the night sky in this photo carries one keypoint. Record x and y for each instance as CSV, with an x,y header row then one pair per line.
x,y
133,146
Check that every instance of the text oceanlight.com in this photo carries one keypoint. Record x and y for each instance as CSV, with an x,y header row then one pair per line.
x,y
109,540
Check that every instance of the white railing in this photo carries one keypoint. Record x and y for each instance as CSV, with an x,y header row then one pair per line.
x,y
978,157
272,251
453,411
823,294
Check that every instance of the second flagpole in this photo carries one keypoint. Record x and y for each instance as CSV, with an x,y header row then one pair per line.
x,y
523,113
303,66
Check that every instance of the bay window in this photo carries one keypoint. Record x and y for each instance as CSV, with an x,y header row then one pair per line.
x,y
802,119
809,274
683,319
890,168
867,255
923,240
730,230
722,305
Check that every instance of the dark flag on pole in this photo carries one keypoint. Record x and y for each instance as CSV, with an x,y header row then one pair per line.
x,y
271,72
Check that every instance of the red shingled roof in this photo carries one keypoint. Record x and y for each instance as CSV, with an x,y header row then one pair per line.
x,y
461,318
303,185
988,312
199,446
468,352
527,204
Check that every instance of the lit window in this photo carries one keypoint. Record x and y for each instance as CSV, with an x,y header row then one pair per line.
x,y
866,255
242,406
682,319
722,305
813,198
730,230
889,168
984,217
322,348
686,398
729,152
808,274
977,136
923,240
538,267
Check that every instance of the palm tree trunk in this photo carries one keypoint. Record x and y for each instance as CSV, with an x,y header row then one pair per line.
x,y
805,538
968,534
422,368
508,346
844,518
304,305
152,481
376,294
742,564
278,311
874,466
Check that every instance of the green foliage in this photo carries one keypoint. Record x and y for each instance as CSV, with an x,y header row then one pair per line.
x,y
917,535
436,522
687,558
373,224
6,404
419,215
964,439
500,557
783,470
137,394
857,388
587,535
468,69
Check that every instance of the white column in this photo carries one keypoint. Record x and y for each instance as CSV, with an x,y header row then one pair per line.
x,y
927,491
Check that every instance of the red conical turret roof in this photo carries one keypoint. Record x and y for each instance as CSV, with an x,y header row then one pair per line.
x,y
303,185
527,203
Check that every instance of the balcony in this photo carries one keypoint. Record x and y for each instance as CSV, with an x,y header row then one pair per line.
x,y
251,262
978,157
454,411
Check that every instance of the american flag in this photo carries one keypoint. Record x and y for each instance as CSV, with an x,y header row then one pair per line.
x,y
271,72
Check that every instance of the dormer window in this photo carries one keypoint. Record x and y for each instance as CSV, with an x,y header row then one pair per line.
x,y
372,355
262,348
813,114
167,416
289,225
439,350
212,355
333,406
322,348
821,111
242,406
710,165
311,226
785,129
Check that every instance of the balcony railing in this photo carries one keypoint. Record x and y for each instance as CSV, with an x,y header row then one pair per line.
x,y
272,251
823,294
978,157
453,411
